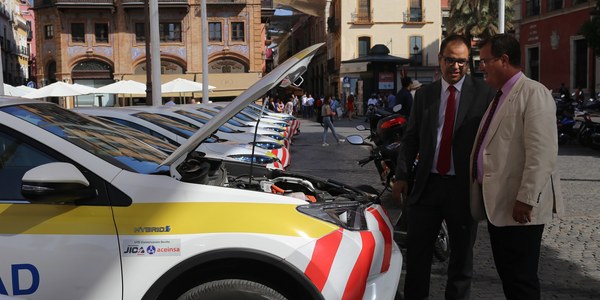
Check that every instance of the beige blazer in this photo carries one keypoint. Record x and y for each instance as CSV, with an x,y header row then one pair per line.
x,y
519,158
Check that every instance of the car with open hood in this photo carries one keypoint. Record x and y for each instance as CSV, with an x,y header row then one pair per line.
x,y
88,212
176,133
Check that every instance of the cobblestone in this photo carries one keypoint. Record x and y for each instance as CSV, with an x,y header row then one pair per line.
x,y
569,263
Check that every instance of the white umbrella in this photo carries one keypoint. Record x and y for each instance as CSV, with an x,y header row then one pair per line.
x,y
60,89
10,90
26,88
123,87
181,85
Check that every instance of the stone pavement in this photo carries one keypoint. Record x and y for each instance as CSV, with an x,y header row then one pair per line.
x,y
570,254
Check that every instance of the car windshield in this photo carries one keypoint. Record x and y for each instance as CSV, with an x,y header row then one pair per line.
x,y
106,143
213,113
168,124
203,120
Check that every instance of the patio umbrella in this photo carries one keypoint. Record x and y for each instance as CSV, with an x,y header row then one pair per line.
x,y
10,90
26,88
123,87
60,89
181,85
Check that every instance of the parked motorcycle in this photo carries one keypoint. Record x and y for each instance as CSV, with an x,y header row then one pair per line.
x,y
385,143
589,133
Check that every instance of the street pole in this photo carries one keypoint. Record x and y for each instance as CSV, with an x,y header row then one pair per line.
x,y
204,17
155,49
501,9
148,53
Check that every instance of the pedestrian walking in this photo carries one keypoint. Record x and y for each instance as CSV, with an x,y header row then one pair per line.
x,y
327,114
441,130
515,186
350,105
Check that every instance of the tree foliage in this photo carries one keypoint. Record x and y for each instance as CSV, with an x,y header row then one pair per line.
x,y
478,19
591,30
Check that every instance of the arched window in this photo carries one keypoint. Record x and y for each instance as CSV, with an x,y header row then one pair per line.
x,y
92,69
227,65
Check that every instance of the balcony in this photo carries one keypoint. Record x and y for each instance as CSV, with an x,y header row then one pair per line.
x,y
75,3
362,17
414,15
225,2
162,3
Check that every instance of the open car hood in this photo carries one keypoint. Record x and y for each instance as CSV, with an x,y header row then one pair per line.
x,y
288,71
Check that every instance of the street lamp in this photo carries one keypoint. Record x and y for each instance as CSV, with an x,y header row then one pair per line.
x,y
416,51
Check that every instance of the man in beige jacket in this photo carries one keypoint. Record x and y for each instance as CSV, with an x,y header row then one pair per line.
x,y
514,185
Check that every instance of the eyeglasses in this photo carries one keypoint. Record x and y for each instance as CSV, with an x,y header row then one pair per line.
x,y
484,61
451,61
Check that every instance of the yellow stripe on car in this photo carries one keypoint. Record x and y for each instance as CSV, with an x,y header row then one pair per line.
x,y
219,217
153,219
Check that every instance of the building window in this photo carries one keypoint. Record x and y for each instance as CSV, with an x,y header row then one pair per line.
x,y
215,33
416,50
77,32
555,4
532,7
580,60
170,32
48,31
237,32
416,11
101,32
575,2
140,33
364,45
533,63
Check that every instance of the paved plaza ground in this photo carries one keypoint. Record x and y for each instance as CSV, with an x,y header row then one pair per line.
x,y
570,254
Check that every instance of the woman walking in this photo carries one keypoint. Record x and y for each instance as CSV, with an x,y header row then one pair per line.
x,y
327,113
350,105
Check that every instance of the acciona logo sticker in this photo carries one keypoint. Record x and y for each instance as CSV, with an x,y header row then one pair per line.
x,y
146,247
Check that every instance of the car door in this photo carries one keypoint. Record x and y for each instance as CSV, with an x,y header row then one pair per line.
x,y
53,251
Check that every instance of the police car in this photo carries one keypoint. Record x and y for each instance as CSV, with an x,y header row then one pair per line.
x,y
87,212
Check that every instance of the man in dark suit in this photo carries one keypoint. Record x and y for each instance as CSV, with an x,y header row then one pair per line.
x,y
441,130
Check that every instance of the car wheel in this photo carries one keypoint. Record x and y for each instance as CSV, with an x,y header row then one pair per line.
x,y
232,289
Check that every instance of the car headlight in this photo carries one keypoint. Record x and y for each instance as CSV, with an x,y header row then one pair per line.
x,y
267,145
349,215
258,159
275,136
275,129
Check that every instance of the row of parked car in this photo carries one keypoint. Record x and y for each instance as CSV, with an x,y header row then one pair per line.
x,y
252,135
91,209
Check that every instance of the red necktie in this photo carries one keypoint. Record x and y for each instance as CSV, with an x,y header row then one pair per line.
x,y
484,129
444,155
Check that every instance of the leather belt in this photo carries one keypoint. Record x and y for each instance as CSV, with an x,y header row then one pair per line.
x,y
442,176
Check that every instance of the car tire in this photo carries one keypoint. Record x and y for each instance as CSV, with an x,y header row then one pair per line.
x,y
231,289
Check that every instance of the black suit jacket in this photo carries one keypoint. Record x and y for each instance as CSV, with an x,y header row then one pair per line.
x,y
420,136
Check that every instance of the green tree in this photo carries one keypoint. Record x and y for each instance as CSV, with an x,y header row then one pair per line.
x,y
591,30
478,19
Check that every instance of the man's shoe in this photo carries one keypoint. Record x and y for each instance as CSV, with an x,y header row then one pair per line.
x,y
325,144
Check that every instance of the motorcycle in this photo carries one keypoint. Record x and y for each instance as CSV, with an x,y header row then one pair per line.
x,y
385,143
589,132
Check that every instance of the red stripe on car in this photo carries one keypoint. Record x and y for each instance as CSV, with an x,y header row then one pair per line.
x,y
322,258
387,239
355,287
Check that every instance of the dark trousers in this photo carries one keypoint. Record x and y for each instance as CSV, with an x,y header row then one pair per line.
x,y
441,200
516,251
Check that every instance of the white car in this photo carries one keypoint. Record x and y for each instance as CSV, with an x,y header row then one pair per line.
x,y
177,133
190,117
211,110
89,213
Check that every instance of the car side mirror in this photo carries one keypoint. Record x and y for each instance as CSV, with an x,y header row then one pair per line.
x,y
397,108
56,183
